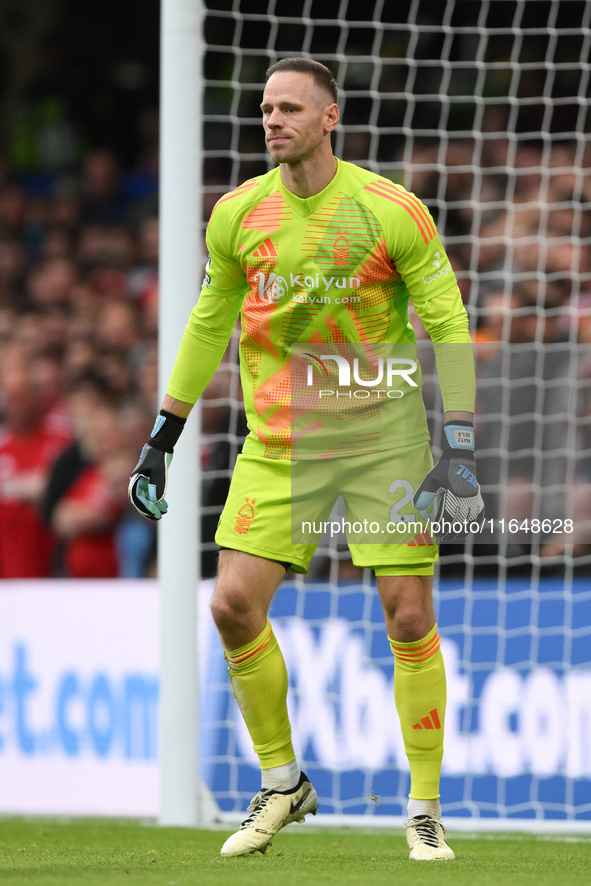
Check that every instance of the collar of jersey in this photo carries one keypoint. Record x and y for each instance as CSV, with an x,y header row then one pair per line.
x,y
311,204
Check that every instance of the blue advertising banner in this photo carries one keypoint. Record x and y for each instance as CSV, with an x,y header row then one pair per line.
x,y
518,723
79,695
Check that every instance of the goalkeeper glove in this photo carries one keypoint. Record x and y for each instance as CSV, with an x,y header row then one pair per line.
x,y
453,485
147,486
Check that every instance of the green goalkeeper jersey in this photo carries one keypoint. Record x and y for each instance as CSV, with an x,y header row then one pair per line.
x,y
322,273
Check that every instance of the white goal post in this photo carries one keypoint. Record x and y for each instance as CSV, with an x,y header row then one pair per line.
x,y
481,109
184,799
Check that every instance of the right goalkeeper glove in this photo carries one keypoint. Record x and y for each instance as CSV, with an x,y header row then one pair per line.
x,y
148,482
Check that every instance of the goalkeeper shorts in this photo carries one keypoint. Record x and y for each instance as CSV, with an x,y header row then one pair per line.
x,y
282,510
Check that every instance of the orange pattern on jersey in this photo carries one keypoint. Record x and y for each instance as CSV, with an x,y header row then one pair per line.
x,y
408,202
378,269
272,396
379,266
268,214
272,400
256,332
238,192
340,234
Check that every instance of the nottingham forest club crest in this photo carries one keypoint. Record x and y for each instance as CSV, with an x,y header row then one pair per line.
x,y
340,250
245,516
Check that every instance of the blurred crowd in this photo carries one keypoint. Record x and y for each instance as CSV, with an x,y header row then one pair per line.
x,y
78,372
78,349
78,375
516,220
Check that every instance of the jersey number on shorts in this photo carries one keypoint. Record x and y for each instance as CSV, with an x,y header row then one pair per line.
x,y
408,492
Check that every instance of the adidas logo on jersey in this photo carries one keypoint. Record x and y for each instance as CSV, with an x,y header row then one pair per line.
x,y
430,722
266,250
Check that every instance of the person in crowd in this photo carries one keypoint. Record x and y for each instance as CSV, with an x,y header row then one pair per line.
x,y
83,503
30,440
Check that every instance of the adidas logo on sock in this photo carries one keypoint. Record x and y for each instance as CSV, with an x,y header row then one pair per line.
x,y
430,722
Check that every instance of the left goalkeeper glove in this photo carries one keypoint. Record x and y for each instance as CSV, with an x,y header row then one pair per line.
x,y
453,484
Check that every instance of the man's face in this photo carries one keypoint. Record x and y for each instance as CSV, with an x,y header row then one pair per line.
x,y
298,116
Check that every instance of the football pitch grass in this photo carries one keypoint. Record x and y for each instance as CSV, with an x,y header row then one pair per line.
x,y
88,852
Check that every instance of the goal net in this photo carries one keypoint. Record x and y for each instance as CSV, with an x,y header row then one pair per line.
x,y
481,109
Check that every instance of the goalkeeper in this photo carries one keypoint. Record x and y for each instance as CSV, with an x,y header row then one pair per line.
x,y
319,252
